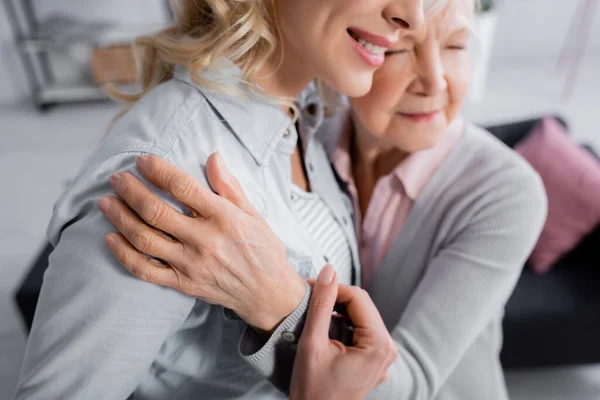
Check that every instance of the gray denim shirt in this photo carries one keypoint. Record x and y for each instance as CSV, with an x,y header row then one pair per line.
x,y
100,333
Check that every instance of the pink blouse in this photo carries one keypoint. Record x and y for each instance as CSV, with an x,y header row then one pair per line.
x,y
393,196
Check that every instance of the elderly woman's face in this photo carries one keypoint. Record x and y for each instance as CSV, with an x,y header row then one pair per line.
x,y
421,87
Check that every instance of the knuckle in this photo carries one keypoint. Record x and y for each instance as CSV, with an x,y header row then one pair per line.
x,y
356,291
383,378
212,245
145,274
123,258
143,240
320,302
125,186
156,213
183,187
393,351
141,271
393,355
380,350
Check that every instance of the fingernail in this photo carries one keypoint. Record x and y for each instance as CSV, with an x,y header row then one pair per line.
x,y
110,240
327,274
115,179
104,204
142,161
220,161
222,166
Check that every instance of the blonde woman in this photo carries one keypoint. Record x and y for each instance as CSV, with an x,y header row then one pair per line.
x,y
446,216
221,78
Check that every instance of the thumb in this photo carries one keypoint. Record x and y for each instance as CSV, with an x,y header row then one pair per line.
x,y
226,185
320,309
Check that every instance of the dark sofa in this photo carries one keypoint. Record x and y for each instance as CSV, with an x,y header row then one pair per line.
x,y
554,319
550,320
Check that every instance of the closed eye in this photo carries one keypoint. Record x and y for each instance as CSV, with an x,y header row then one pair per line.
x,y
458,48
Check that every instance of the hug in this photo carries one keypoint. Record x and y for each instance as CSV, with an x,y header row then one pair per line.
x,y
284,159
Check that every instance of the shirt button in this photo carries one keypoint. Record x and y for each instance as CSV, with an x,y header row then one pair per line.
x,y
286,133
288,336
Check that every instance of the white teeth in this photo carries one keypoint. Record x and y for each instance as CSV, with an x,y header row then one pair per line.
x,y
372,48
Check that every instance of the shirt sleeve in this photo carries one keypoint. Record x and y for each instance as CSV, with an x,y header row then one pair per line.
x,y
466,285
97,329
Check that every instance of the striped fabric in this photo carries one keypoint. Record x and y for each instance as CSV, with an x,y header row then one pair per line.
x,y
325,230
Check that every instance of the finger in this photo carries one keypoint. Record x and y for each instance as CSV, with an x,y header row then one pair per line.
x,y
339,308
226,185
360,308
181,185
155,211
145,239
320,308
138,264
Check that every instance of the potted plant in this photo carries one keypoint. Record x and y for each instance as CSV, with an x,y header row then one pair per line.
x,y
484,31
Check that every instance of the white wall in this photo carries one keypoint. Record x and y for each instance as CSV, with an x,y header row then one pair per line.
x,y
536,29
527,29
12,80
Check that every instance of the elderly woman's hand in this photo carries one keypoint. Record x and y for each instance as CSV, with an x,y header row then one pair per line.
x,y
223,253
326,369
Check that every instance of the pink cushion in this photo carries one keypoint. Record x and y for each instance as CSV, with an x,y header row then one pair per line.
x,y
572,180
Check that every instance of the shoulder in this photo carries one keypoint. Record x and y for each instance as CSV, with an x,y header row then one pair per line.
x,y
486,162
172,121
490,183
158,119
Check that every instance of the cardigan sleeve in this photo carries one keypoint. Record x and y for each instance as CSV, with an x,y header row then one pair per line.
x,y
464,287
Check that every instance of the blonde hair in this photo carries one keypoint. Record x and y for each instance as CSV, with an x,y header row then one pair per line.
x,y
204,32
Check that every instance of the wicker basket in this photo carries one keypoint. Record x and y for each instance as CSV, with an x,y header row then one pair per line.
x,y
113,64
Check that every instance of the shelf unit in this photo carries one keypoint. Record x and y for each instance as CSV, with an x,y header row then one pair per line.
x,y
35,40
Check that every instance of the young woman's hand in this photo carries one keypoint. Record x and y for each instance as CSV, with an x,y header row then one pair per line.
x,y
224,253
326,369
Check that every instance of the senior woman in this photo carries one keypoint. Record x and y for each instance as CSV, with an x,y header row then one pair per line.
x,y
445,215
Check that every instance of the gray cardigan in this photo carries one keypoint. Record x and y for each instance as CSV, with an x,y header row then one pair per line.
x,y
442,288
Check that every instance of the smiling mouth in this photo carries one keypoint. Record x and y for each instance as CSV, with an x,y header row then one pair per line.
x,y
420,117
368,46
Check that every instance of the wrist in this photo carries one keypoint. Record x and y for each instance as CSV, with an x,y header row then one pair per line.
x,y
289,299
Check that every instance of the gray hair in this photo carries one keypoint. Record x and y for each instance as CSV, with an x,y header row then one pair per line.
x,y
433,7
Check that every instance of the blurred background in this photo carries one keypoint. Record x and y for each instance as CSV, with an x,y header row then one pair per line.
x,y
534,59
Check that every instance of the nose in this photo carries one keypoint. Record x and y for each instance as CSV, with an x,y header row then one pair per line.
x,y
431,75
407,15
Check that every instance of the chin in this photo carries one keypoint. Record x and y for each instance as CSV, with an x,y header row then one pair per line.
x,y
354,85
414,140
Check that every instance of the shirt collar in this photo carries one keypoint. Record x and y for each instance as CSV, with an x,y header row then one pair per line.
x,y
340,133
418,168
413,173
259,124
312,113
